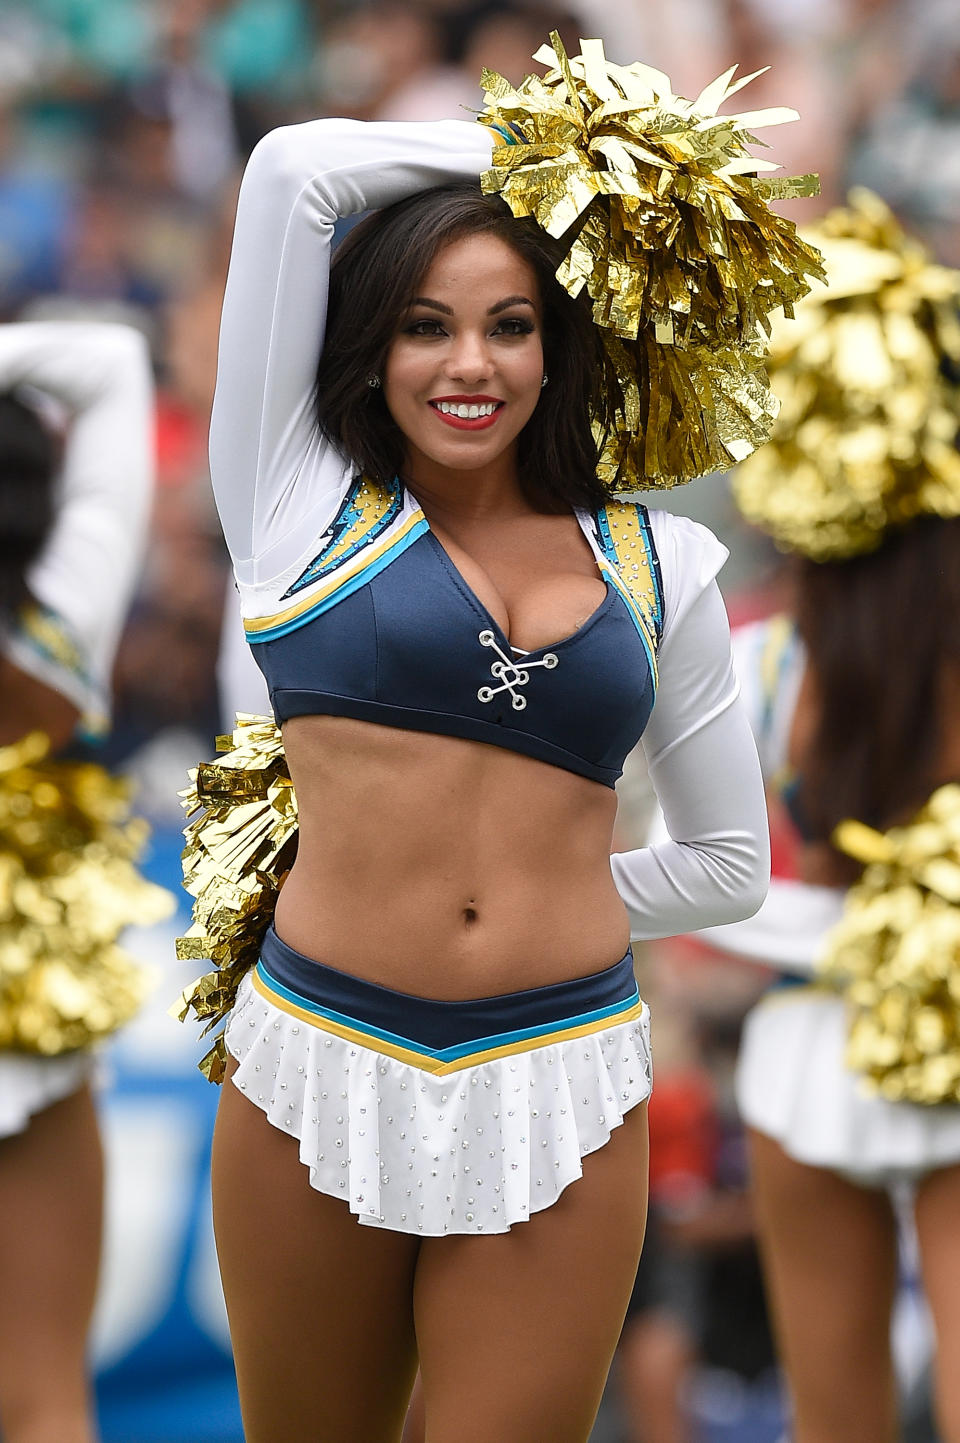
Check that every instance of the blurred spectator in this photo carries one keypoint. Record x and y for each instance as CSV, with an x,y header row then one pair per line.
x,y
373,53
394,61
104,257
260,47
906,141
35,208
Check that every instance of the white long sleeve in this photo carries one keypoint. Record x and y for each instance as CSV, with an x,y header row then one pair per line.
x,y
714,866
86,572
276,478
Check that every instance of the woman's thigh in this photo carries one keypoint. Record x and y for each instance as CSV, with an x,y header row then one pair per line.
x,y
829,1250
937,1211
51,1203
517,1331
320,1307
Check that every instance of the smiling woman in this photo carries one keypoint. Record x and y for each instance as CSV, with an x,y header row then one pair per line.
x,y
397,282
462,340
433,1131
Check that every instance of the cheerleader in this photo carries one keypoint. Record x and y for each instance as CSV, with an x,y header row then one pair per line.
x,y
73,513
431,1143
853,700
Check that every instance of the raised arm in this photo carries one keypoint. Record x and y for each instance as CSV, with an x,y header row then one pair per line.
x,y
714,867
86,572
275,478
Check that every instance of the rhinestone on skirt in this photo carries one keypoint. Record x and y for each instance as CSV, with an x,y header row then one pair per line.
x,y
473,1151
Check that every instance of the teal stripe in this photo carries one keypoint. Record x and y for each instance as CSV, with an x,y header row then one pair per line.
x,y
445,1054
488,1044
340,1017
362,577
510,134
633,609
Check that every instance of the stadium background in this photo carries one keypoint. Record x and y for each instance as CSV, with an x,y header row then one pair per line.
x,y
123,128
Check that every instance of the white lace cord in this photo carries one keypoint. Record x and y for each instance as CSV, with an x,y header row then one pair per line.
x,y
509,674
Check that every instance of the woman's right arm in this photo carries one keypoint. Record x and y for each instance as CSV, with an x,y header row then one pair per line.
x,y
89,565
275,477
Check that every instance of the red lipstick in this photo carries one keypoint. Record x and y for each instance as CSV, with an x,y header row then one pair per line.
x,y
468,423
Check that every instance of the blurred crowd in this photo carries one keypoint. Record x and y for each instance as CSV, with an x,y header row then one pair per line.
x,y
124,125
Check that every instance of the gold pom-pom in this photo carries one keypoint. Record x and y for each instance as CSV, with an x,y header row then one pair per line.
x,y
869,415
235,861
669,229
68,888
895,954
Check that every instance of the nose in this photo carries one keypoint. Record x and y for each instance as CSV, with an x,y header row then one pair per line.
x,y
468,359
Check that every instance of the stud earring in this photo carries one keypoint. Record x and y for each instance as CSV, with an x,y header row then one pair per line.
x,y
373,382
544,382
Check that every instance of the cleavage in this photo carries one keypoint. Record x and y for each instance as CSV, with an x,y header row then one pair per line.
x,y
540,615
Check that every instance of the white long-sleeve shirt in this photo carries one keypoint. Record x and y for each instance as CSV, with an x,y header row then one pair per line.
x,y
85,574
279,483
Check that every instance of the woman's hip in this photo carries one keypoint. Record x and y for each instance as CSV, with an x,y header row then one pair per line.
x,y
434,1117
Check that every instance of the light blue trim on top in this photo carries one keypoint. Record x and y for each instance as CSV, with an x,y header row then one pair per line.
x,y
349,517
632,609
354,583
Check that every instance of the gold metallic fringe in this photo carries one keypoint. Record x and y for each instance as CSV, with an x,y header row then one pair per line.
x,y
670,231
235,861
68,888
895,955
865,439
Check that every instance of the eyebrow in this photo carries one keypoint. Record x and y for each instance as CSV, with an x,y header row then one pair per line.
x,y
493,311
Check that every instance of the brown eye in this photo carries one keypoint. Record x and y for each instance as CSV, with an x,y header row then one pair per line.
x,y
515,326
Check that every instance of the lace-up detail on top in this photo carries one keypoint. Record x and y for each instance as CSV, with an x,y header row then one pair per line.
x,y
382,627
509,673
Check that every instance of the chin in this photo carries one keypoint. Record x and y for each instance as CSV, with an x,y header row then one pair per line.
x,y
463,460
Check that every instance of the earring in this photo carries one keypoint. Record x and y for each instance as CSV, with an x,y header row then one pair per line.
x,y
544,382
373,382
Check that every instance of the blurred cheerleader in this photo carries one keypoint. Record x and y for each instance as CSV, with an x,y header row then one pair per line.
x,y
73,512
849,1071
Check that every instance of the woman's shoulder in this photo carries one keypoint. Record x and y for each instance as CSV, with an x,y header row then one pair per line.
x,y
689,558
681,539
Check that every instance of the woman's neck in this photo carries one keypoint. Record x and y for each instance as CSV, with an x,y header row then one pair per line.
x,y
446,494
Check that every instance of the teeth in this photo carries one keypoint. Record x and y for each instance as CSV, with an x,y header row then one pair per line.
x,y
464,411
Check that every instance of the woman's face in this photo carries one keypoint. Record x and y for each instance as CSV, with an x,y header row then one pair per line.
x,y
464,371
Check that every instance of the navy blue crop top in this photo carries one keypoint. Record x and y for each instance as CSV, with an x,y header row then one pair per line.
x,y
398,637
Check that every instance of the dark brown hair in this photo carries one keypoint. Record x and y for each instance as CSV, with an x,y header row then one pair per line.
x,y
28,461
374,277
882,634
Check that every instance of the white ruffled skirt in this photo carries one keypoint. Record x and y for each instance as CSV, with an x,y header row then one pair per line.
x,y
793,1085
28,1084
468,1137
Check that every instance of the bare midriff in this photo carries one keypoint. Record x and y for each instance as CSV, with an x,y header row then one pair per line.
x,y
446,868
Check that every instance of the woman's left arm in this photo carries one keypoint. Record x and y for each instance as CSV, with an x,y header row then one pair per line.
x,y
703,764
